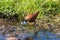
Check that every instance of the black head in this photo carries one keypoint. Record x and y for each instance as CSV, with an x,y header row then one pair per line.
x,y
24,22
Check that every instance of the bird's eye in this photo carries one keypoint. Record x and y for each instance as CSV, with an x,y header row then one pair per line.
x,y
25,20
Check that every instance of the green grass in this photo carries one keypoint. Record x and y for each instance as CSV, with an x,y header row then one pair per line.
x,y
22,7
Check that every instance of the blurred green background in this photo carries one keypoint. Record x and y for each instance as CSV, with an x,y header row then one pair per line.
x,y
19,8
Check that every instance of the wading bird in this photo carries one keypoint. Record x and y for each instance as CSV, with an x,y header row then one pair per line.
x,y
30,18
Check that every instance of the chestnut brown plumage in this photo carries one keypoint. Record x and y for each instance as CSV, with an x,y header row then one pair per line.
x,y
31,17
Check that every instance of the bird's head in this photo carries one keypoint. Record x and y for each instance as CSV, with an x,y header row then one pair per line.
x,y
24,22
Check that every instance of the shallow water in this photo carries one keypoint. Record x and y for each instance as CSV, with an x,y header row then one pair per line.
x,y
41,36
48,36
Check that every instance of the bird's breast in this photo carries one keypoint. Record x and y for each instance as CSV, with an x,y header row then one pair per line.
x,y
29,17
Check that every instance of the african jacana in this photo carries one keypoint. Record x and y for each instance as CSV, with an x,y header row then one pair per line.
x,y
30,17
